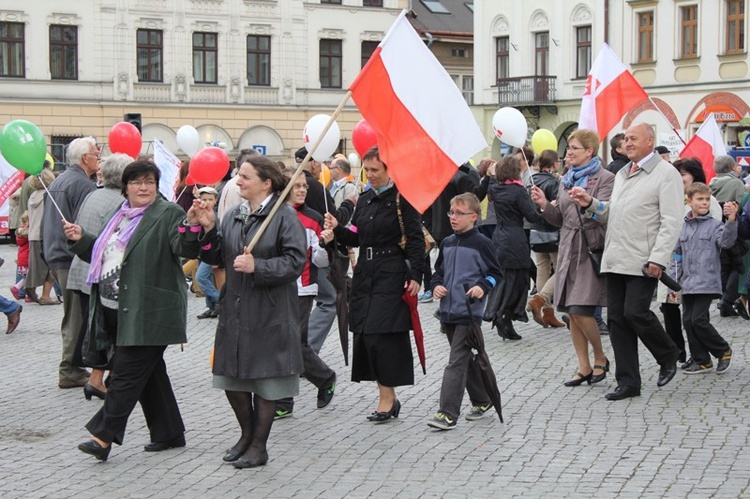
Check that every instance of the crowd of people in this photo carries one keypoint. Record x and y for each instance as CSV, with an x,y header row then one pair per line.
x,y
272,250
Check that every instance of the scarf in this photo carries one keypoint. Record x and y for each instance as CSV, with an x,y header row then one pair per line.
x,y
381,190
97,255
578,176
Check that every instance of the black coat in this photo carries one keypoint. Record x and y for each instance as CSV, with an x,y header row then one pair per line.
x,y
549,184
512,204
460,183
377,286
618,161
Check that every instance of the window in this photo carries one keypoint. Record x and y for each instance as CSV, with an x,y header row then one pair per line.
x,y
735,26
334,2
465,83
12,58
502,56
367,50
462,53
435,7
63,52
541,49
583,51
372,3
258,60
205,57
689,31
330,63
646,36
150,52
58,146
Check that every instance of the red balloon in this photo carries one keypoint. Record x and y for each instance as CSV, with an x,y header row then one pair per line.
x,y
190,180
125,138
364,137
209,165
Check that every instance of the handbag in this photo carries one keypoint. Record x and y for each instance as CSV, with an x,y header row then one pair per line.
x,y
543,241
594,256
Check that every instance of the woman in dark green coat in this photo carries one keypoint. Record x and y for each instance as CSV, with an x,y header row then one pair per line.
x,y
139,306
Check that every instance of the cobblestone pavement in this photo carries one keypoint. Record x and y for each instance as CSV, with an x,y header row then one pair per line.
x,y
689,438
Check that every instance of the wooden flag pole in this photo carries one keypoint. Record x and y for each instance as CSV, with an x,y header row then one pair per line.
x,y
285,192
668,122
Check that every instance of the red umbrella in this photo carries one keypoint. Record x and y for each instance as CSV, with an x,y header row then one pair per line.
x,y
416,326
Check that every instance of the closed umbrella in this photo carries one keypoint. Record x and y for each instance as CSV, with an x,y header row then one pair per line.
x,y
339,281
475,339
416,326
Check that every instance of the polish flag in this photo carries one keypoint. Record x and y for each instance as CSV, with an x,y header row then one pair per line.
x,y
611,91
706,144
425,128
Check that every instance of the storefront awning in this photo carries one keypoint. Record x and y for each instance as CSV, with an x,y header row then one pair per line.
x,y
722,112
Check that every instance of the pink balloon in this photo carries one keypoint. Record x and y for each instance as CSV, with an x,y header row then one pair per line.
x,y
209,165
364,137
125,138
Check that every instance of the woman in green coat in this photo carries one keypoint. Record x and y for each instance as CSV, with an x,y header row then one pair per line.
x,y
139,306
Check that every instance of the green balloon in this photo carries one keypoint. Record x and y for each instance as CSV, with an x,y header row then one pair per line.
x,y
23,145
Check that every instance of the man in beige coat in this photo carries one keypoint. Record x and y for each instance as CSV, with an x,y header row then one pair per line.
x,y
644,218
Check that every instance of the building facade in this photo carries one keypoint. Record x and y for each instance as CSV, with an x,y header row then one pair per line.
x,y
245,73
689,55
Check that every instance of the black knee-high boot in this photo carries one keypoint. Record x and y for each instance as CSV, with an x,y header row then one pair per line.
x,y
256,455
242,404
510,331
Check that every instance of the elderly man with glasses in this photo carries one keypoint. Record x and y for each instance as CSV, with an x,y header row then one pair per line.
x,y
68,192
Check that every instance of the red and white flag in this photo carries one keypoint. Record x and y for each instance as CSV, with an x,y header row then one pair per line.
x,y
425,128
706,144
611,91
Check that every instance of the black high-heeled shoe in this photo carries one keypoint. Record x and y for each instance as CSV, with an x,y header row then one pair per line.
x,y
579,379
90,391
510,331
93,448
379,417
596,378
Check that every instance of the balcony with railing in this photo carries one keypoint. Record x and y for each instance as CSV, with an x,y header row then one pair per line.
x,y
527,91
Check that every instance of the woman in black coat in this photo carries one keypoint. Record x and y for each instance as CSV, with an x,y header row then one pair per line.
x,y
378,316
512,204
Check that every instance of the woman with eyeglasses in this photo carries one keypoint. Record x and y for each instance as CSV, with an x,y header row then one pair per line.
x,y
507,302
138,307
388,232
578,290
257,352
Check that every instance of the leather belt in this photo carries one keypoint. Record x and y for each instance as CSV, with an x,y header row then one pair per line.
x,y
373,252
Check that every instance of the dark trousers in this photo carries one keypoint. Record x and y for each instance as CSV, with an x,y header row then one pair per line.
x,y
703,338
730,283
461,373
427,276
139,374
316,371
630,319
673,326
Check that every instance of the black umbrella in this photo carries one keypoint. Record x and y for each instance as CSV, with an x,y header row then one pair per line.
x,y
337,276
475,339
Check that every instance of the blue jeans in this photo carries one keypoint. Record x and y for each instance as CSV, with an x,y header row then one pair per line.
x,y
204,276
8,307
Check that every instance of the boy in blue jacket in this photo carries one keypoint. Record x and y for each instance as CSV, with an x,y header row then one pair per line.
x,y
466,259
697,267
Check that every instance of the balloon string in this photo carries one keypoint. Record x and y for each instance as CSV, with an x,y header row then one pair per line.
x,y
181,193
49,196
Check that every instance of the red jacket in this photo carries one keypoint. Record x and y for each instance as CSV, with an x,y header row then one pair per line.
x,y
23,251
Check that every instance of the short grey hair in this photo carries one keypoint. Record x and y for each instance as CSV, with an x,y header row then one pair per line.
x,y
724,164
78,148
343,164
112,168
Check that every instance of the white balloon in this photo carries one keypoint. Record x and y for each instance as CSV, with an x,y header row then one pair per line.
x,y
188,140
510,126
330,142
353,160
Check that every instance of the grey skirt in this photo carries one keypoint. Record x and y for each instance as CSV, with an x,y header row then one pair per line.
x,y
38,269
268,388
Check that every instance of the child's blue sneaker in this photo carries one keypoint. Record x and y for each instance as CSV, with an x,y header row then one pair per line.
x,y
425,297
442,422
478,412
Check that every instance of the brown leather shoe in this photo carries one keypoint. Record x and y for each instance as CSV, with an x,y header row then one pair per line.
x,y
535,307
14,319
550,319
73,383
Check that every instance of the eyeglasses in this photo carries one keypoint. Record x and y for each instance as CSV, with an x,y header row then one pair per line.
x,y
574,148
459,214
142,183
97,156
